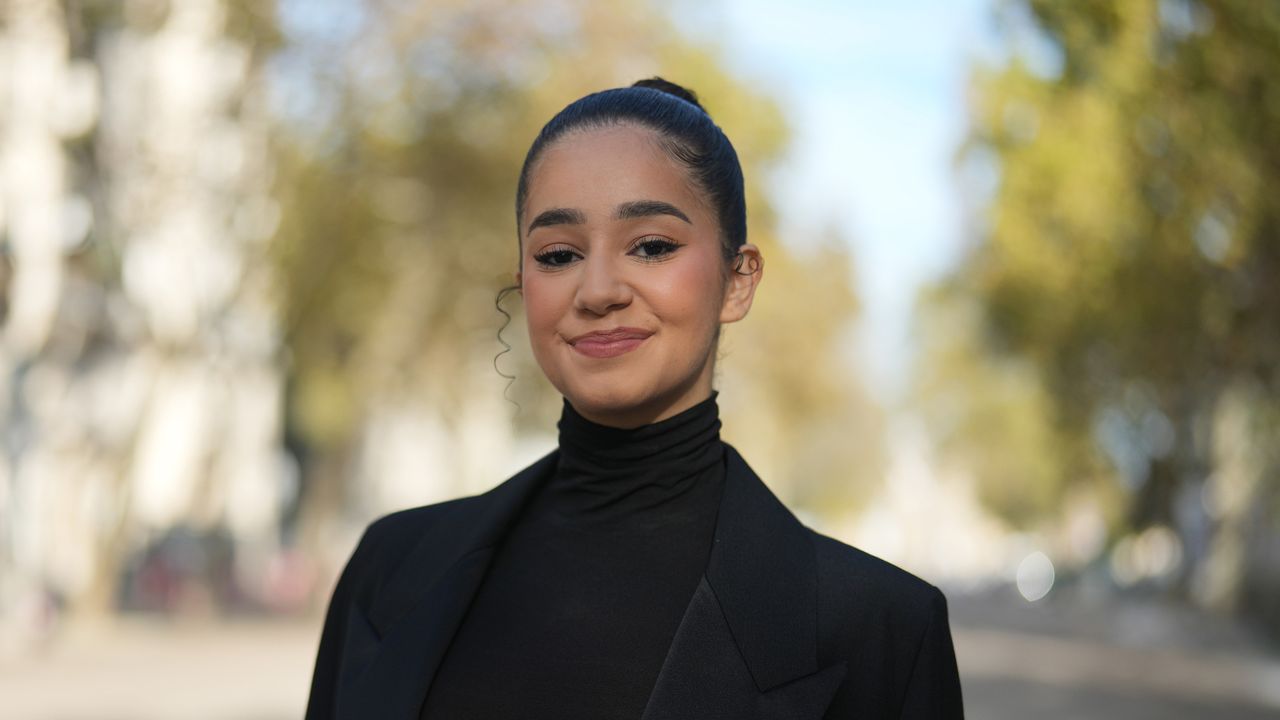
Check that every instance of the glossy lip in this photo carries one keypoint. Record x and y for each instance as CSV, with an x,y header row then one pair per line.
x,y
609,343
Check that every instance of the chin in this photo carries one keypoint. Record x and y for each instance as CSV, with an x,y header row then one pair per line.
x,y
606,398
603,400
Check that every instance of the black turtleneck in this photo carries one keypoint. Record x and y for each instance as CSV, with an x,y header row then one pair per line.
x,y
582,599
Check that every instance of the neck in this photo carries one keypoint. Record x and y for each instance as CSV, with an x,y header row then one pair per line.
x,y
609,472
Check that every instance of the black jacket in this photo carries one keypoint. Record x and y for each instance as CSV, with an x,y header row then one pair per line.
x,y
785,623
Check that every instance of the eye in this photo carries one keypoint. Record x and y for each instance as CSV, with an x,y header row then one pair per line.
x,y
655,248
555,257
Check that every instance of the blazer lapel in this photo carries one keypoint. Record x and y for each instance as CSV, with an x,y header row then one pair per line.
x,y
747,645
745,648
395,650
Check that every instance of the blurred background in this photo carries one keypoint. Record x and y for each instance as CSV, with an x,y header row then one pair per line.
x,y
1019,333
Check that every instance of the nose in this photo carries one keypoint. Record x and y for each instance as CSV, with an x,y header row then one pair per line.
x,y
601,286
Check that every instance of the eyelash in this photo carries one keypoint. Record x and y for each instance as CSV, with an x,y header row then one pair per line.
x,y
544,257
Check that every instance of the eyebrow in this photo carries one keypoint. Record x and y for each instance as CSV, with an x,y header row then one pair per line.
x,y
648,208
625,211
557,216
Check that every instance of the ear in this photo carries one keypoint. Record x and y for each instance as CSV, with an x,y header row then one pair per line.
x,y
520,283
742,284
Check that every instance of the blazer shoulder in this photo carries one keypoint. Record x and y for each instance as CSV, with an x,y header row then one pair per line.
x,y
387,539
400,526
891,629
854,580
393,531
390,540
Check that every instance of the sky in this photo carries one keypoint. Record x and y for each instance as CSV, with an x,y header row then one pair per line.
x,y
875,94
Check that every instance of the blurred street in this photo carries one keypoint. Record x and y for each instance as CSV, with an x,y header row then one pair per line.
x,y
1108,658
1115,659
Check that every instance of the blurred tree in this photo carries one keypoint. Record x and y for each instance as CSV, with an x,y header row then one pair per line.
x,y
404,126
218,212
1126,271
140,383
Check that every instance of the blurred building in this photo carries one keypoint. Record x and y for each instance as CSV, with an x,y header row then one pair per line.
x,y
140,378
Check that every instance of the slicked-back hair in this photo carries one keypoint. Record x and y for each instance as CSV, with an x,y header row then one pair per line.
x,y
684,131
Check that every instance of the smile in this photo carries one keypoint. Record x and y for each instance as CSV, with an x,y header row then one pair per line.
x,y
604,348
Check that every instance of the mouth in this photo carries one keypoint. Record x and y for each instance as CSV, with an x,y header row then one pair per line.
x,y
610,344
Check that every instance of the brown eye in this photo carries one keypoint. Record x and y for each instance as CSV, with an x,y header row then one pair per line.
x,y
555,258
655,248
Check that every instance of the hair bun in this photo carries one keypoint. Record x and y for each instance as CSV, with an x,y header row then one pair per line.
x,y
670,88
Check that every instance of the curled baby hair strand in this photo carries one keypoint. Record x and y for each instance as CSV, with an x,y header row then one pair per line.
x,y
506,347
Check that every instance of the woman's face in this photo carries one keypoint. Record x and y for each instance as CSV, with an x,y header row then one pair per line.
x,y
615,239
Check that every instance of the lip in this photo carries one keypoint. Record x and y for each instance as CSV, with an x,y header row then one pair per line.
x,y
609,343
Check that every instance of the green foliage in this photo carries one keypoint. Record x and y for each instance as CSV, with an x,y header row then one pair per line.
x,y
1130,250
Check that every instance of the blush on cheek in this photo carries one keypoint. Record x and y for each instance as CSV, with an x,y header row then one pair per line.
x,y
545,309
690,288
540,305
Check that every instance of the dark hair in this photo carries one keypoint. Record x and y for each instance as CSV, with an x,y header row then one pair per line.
x,y
685,132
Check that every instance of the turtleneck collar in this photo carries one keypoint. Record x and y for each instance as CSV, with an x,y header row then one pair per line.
x,y
643,474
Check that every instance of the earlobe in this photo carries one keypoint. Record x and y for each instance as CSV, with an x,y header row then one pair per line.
x,y
748,269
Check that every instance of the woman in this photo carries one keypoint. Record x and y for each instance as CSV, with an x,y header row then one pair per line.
x,y
641,569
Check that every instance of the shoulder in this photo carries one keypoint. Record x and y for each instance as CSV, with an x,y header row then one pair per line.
x,y
387,540
394,530
858,593
890,628
867,602
847,573
405,526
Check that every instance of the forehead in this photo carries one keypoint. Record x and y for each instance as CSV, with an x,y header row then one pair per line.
x,y
599,168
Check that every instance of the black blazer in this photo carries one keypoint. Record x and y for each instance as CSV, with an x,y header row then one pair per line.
x,y
785,623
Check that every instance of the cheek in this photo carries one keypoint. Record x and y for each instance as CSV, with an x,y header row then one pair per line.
x,y
541,304
689,294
